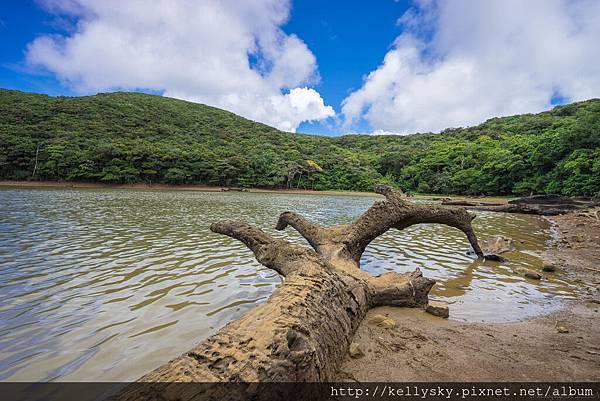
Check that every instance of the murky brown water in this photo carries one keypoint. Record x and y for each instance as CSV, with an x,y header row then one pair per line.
x,y
108,284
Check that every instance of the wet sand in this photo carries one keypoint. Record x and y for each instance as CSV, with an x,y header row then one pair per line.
x,y
169,187
426,348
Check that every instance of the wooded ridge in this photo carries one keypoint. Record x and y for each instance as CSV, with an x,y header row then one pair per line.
x,y
136,137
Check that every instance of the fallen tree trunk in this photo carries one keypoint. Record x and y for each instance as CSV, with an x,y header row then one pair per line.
x,y
304,329
452,202
540,210
543,205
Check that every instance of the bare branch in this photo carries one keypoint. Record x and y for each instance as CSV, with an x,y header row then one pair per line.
x,y
311,232
392,194
254,238
276,254
395,212
453,217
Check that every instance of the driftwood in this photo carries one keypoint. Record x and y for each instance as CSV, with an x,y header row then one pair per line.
x,y
304,329
541,210
451,202
544,205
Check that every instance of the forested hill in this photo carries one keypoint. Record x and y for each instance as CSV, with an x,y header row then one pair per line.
x,y
134,137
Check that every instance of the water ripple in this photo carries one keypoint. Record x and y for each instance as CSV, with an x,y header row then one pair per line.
x,y
90,278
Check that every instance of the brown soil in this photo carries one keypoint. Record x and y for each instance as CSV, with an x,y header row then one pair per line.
x,y
426,348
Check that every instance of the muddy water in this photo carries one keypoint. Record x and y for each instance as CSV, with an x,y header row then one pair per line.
x,y
108,284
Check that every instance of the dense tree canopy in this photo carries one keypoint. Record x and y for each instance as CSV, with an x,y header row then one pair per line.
x,y
134,137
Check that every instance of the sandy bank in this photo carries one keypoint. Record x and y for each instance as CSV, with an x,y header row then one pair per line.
x,y
168,187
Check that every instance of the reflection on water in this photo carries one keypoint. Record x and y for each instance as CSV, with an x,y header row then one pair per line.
x,y
477,291
108,284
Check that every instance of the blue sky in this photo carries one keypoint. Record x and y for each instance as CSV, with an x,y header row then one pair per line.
x,y
329,68
328,28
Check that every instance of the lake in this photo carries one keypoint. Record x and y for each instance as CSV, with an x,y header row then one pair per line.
x,y
106,285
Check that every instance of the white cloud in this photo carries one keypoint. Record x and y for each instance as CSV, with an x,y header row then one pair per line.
x,y
226,53
304,104
460,62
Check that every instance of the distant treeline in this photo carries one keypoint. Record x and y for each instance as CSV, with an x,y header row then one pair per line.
x,y
134,137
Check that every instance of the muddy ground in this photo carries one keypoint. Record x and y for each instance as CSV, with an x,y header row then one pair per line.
x,y
422,347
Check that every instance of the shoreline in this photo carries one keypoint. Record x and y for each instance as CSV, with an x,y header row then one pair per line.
x,y
208,188
425,348
173,187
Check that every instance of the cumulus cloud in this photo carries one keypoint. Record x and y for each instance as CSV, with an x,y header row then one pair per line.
x,y
226,53
460,62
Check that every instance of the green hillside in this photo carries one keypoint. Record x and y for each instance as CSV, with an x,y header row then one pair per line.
x,y
134,137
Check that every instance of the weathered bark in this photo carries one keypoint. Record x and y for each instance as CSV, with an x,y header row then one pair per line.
x,y
304,329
